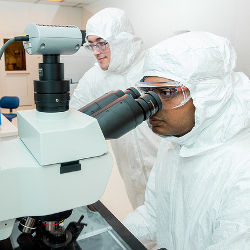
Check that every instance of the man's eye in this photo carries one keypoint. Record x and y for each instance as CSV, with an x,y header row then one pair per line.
x,y
101,43
165,92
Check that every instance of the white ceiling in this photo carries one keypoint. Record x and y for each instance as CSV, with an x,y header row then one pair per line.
x,y
69,3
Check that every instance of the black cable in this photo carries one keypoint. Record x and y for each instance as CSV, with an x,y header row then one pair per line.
x,y
21,38
15,39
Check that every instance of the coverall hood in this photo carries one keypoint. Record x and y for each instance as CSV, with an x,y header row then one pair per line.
x,y
113,25
204,63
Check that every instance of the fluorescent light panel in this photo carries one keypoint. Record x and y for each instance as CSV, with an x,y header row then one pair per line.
x,y
56,0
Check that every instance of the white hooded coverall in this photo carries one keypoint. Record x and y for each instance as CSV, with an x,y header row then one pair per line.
x,y
136,151
198,193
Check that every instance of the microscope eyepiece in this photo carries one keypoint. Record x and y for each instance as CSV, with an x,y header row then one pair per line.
x,y
133,92
118,115
150,104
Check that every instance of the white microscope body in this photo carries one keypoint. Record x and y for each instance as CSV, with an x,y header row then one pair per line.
x,y
33,179
60,160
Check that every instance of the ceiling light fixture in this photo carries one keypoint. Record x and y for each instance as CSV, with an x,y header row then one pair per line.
x,y
56,0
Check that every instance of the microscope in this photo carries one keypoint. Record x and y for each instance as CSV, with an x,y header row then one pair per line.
x,y
61,161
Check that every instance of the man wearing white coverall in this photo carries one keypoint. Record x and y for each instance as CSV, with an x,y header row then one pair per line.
x,y
198,193
120,57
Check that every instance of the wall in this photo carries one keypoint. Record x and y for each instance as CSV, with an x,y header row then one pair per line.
x,y
14,17
156,20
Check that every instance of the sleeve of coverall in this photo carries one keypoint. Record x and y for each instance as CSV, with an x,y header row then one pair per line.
x,y
82,94
142,221
232,228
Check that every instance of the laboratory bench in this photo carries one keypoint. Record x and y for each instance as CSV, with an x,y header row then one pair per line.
x,y
103,231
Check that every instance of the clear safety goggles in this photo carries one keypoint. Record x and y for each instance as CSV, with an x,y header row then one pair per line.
x,y
102,46
173,93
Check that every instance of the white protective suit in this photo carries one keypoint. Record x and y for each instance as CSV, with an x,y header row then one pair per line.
x,y
198,193
136,151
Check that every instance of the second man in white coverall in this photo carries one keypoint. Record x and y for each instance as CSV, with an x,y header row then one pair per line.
x,y
120,57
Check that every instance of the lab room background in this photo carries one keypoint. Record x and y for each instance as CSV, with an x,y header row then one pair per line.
x,y
153,21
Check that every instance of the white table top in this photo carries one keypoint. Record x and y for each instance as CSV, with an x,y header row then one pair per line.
x,y
7,129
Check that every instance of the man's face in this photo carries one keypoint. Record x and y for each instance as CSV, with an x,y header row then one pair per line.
x,y
172,122
102,56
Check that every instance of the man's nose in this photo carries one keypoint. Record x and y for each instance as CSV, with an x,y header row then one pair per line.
x,y
96,51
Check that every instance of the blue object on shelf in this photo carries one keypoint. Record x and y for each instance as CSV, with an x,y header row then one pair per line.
x,y
9,102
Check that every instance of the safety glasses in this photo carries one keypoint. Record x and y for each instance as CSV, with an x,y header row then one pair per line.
x,y
173,93
102,46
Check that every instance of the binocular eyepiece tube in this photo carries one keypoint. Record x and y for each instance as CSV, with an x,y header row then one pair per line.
x,y
118,112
